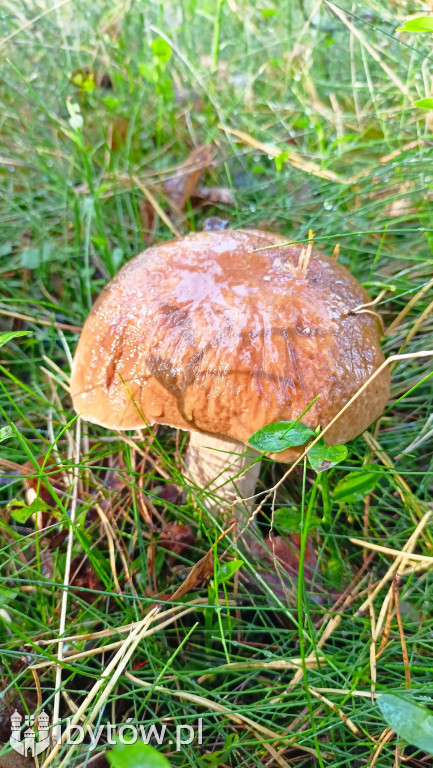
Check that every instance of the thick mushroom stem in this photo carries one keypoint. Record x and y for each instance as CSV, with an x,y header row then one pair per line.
x,y
226,469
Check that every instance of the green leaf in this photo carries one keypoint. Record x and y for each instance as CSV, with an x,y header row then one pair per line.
x,y
267,13
411,722
147,72
5,337
136,755
421,24
31,258
161,50
85,81
214,759
226,570
110,102
355,486
21,511
289,520
280,435
75,118
323,456
424,103
117,258
334,572
5,432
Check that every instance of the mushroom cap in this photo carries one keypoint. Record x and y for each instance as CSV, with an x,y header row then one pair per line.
x,y
206,333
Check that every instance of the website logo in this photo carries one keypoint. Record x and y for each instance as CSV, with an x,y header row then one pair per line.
x,y
31,742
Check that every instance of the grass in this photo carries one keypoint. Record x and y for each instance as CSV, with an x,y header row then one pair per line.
x,y
308,110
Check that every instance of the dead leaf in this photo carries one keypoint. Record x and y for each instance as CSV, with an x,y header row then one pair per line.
x,y
176,538
118,132
148,218
167,492
181,187
36,488
285,551
84,575
201,571
215,195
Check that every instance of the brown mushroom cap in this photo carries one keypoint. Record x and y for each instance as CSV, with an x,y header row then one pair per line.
x,y
204,333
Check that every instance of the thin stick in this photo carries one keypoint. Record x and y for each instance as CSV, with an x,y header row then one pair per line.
x,y
394,552
154,203
408,307
39,321
396,585
65,593
398,562
387,628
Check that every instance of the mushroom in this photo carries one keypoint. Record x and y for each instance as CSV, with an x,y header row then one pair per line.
x,y
208,334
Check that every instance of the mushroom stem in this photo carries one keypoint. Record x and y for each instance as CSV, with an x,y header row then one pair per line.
x,y
225,468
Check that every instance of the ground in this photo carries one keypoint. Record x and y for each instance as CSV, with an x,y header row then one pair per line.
x,y
124,124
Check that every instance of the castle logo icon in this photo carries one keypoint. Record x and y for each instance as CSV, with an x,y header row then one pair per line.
x,y
31,742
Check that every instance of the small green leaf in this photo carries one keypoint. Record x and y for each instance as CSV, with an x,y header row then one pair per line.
x,y
334,572
279,436
147,72
226,570
110,102
75,118
409,721
7,596
5,432
421,24
117,258
290,520
31,258
5,337
161,50
83,80
267,13
323,456
355,486
424,103
136,755
21,511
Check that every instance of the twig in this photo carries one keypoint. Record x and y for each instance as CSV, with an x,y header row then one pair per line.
x,y
65,593
396,585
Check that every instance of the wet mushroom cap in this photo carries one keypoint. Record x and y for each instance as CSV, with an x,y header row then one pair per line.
x,y
207,334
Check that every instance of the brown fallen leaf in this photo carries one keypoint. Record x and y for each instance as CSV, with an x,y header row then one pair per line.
x,y
84,575
36,488
200,572
215,195
181,187
148,219
285,551
176,538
